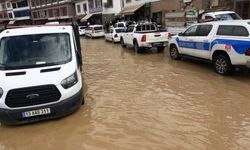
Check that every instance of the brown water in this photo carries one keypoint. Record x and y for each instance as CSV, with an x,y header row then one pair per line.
x,y
145,102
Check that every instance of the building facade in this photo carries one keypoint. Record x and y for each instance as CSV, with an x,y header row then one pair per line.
x,y
43,11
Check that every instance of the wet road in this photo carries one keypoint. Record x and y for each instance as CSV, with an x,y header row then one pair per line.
x,y
145,102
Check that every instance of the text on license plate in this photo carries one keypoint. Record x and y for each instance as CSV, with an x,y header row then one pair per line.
x,y
38,112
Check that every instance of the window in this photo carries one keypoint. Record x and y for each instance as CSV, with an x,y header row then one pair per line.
x,y
191,31
23,13
8,5
56,12
10,15
204,30
119,30
51,13
230,16
84,7
35,50
229,30
128,1
130,29
35,15
64,11
138,28
153,27
98,3
78,8
3,6
109,4
14,5
91,4
23,3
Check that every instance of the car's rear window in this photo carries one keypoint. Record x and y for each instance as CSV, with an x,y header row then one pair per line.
x,y
98,28
232,30
120,25
82,27
119,30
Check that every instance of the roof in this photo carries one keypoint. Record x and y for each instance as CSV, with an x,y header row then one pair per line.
x,y
227,22
42,29
220,12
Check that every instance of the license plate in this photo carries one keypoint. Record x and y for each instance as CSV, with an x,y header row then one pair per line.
x,y
38,112
157,44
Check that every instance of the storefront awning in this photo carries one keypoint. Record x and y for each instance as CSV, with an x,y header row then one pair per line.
x,y
79,17
86,17
129,10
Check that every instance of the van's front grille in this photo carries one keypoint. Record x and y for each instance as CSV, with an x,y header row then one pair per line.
x,y
32,96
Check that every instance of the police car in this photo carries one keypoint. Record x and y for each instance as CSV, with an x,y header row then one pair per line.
x,y
225,43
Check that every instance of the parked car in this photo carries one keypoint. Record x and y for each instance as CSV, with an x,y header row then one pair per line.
x,y
82,30
220,16
120,25
94,31
145,35
224,43
40,71
114,34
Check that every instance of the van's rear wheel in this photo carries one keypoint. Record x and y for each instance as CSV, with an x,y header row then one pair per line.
x,y
174,53
222,64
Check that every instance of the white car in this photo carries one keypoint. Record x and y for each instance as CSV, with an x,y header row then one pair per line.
x,y
121,25
224,43
82,30
145,36
220,15
40,72
114,34
94,31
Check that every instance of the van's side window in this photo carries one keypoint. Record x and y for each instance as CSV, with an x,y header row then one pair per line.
x,y
191,31
230,30
130,29
204,30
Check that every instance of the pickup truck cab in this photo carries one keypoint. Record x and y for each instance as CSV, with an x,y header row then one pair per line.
x,y
145,35
114,35
40,72
224,43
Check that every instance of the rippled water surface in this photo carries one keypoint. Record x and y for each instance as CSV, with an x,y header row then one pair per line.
x,y
145,102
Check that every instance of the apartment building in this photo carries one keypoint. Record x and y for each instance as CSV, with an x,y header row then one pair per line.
x,y
43,11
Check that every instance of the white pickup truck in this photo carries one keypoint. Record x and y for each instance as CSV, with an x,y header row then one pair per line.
x,y
145,35
224,43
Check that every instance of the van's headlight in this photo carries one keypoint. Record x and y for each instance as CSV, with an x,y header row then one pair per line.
x,y
70,81
1,92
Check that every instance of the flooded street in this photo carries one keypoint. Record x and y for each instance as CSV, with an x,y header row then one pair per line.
x,y
145,102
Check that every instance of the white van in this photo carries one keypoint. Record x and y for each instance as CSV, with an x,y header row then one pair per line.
x,y
94,31
40,72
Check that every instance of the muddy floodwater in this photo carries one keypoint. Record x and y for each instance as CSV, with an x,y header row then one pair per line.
x,y
145,102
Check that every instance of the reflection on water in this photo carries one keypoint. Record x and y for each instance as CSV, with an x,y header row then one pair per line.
x,y
145,101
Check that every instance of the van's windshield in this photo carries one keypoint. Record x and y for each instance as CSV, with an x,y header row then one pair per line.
x,y
28,51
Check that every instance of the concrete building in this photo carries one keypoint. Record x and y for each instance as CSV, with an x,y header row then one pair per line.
x,y
242,7
4,18
82,9
52,10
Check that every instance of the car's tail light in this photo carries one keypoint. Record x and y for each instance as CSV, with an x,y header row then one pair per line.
x,y
248,52
144,38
